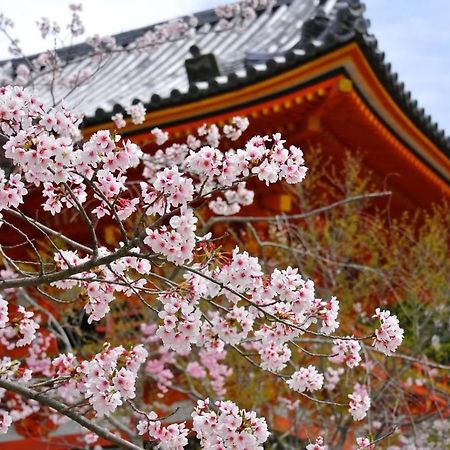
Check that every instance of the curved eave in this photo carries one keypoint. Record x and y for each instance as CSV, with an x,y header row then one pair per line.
x,y
349,60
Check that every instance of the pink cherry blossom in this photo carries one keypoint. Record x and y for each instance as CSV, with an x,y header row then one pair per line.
x,y
216,302
137,113
160,136
359,402
363,443
170,437
118,120
306,379
229,427
4,317
195,370
5,421
318,445
389,335
346,350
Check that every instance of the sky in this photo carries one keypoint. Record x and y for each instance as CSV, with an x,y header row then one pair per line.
x,y
414,34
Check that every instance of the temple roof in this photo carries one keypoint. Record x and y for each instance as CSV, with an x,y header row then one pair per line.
x,y
292,33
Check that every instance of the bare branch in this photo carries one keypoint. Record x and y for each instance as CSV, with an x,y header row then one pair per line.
x,y
299,216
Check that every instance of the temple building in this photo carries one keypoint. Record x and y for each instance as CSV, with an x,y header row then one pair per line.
x,y
309,69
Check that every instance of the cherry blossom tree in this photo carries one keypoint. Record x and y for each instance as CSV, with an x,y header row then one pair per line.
x,y
201,304
355,249
217,302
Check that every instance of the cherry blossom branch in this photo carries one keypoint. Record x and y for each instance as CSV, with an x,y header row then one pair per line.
x,y
266,313
46,234
394,355
59,330
9,261
120,426
86,219
49,230
31,394
243,219
423,362
31,243
306,252
67,273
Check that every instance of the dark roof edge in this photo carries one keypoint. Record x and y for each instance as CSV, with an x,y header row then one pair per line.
x,y
366,42
402,97
323,77
375,58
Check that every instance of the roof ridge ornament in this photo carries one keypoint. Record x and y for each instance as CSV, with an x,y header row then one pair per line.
x,y
349,20
201,67
313,28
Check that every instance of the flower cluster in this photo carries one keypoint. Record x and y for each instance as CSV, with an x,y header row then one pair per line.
x,y
306,379
243,273
118,120
4,316
283,296
41,147
17,329
171,190
318,445
240,14
99,289
170,437
359,402
229,427
274,356
160,136
204,169
346,351
363,443
218,371
234,130
137,113
181,323
105,381
232,201
328,314
32,145
234,326
12,191
279,163
168,31
46,27
158,369
389,335
5,421
76,26
176,244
